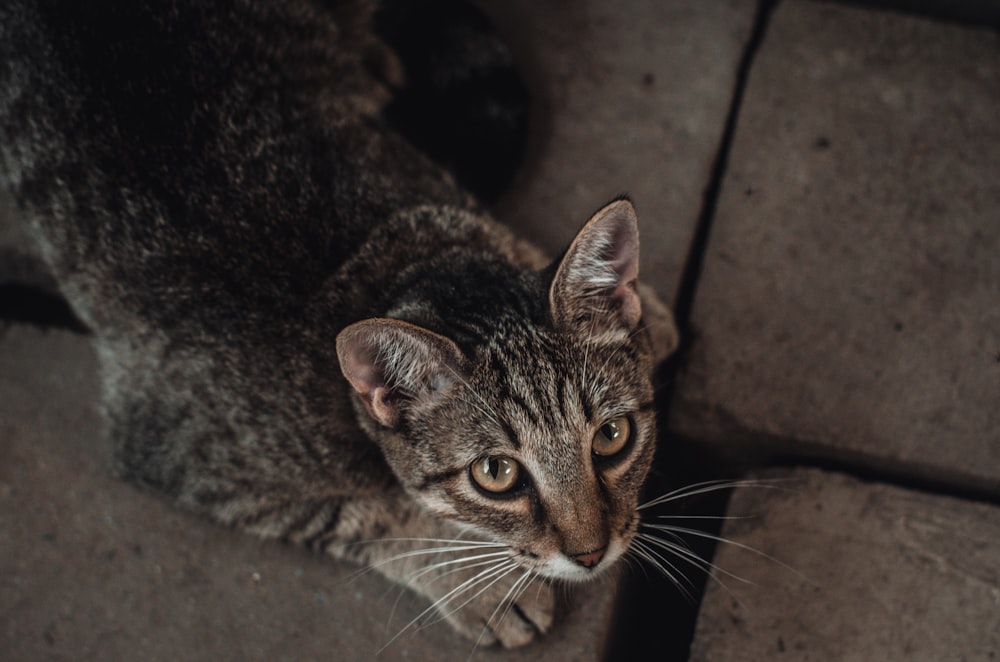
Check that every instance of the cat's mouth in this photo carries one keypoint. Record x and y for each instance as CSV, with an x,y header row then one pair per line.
x,y
582,567
575,567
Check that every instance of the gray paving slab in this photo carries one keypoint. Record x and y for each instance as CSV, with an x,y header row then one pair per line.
x,y
92,568
880,573
849,306
628,97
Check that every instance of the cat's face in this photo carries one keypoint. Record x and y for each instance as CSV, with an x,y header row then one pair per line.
x,y
544,447
541,440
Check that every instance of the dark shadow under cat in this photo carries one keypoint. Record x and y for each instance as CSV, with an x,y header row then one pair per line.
x,y
306,328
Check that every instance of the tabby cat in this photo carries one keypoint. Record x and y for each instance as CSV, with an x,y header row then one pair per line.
x,y
306,329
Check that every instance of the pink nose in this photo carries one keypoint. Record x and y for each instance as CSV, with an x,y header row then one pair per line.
x,y
590,559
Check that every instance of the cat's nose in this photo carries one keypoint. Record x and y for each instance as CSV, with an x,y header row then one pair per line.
x,y
590,559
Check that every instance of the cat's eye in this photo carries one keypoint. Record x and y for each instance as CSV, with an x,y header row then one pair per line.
x,y
495,474
612,437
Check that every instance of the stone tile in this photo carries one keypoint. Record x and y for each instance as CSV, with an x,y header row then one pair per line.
x,y
629,97
92,568
849,305
880,573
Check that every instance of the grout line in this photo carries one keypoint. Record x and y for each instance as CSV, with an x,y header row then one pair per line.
x,y
699,243
790,453
641,600
908,478
967,13
27,304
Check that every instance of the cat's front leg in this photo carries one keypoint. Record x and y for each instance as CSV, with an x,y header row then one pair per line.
x,y
476,585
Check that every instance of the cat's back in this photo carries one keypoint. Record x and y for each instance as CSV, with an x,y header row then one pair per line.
x,y
181,157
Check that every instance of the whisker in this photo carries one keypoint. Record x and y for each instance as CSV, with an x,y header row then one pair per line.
x,y
705,566
688,491
498,576
501,572
632,563
430,550
506,609
454,544
710,486
412,578
418,552
503,569
658,561
453,541
542,584
649,543
465,561
709,536
707,517
646,553
686,554
531,577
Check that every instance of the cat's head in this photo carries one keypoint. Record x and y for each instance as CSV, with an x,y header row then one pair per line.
x,y
542,435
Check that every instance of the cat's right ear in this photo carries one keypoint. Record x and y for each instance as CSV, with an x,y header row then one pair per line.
x,y
392,363
595,288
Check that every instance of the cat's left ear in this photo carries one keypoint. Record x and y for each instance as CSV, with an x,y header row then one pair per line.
x,y
595,288
394,364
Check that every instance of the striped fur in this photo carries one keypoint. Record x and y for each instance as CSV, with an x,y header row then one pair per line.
x,y
305,329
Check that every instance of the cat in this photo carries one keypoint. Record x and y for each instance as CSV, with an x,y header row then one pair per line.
x,y
305,328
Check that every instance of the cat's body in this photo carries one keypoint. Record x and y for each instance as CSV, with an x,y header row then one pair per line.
x,y
305,328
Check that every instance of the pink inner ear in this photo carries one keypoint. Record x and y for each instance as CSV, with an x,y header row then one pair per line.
x,y
626,258
618,222
602,263
381,409
390,363
626,263
358,364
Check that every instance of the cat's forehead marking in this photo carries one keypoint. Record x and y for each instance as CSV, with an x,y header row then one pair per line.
x,y
538,391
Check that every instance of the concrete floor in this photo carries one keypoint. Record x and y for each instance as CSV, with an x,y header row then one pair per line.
x,y
843,348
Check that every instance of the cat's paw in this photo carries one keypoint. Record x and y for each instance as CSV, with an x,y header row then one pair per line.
x,y
489,618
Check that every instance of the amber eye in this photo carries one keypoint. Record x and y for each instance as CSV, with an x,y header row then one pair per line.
x,y
612,437
495,474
